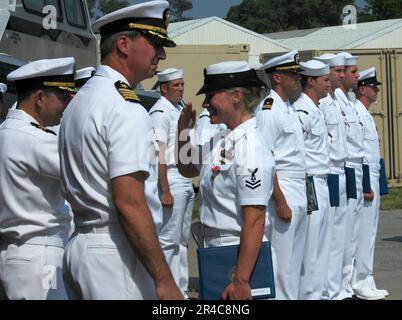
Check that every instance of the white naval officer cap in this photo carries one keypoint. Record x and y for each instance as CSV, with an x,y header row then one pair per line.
x,y
170,74
368,78
332,59
3,88
229,74
288,62
149,18
349,59
54,73
85,73
314,68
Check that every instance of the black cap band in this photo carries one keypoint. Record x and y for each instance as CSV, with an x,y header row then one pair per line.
x,y
215,82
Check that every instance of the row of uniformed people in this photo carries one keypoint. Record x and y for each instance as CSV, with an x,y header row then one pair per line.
x,y
95,127
314,256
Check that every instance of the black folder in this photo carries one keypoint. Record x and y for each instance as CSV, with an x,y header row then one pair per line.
x,y
333,189
366,178
351,191
383,179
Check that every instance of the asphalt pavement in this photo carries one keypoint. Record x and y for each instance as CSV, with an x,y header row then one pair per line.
x,y
387,259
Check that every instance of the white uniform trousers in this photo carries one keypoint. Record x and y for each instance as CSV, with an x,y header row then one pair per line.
x,y
315,260
338,228
352,232
101,264
32,270
363,272
288,239
175,231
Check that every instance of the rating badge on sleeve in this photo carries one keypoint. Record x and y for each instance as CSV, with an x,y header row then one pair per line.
x,y
253,182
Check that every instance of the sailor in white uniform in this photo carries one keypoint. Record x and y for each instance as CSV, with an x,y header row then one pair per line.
x,y
83,75
363,281
355,147
315,83
280,127
3,109
175,191
109,160
34,219
335,126
236,177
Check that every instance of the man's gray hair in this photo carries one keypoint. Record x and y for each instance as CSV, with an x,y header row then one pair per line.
x,y
108,42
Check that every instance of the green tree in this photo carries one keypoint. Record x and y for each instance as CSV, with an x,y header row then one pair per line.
x,y
177,8
280,15
380,10
107,6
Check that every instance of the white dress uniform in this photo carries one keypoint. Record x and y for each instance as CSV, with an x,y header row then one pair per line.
x,y
238,172
102,136
34,219
315,260
175,231
281,132
338,153
354,138
363,273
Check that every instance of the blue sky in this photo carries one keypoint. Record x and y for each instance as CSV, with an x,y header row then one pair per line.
x,y
219,8
206,8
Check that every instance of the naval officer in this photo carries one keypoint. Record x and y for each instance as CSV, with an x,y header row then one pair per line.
x,y
34,219
281,131
108,162
363,281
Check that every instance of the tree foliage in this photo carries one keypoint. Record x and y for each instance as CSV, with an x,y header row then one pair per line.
x,y
280,15
107,6
177,8
381,10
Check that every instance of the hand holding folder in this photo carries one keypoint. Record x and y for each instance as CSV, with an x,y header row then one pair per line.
x,y
216,266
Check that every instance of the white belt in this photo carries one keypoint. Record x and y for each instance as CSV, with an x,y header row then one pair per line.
x,y
291,174
109,228
337,164
358,161
319,176
213,232
337,170
54,241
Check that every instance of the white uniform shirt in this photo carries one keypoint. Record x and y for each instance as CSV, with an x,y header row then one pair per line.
x,y
315,136
354,126
281,131
31,203
103,136
372,154
336,131
245,178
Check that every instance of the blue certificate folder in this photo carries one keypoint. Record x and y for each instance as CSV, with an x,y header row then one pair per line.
x,y
351,191
333,188
366,178
216,266
383,179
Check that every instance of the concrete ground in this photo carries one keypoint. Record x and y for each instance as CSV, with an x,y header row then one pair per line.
x,y
387,260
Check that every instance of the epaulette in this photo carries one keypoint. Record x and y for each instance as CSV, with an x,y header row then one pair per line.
x,y
43,128
204,115
126,92
156,111
268,102
300,110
